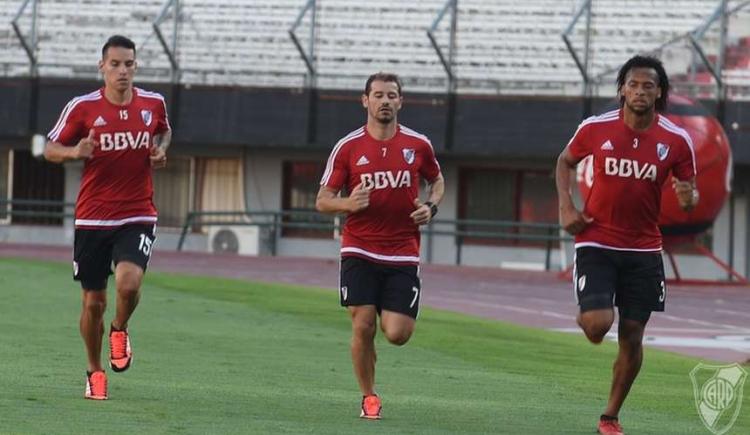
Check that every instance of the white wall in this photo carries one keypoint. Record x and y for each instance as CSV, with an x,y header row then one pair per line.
x,y
263,179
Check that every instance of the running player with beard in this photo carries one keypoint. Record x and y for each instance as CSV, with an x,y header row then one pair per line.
x,y
617,239
380,165
121,133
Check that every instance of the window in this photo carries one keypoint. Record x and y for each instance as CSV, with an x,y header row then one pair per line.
x,y
173,191
301,182
37,180
538,202
219,183
511,195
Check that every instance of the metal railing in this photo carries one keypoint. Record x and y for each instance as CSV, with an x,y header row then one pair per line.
x,y
463,231
36,208
546,234
510,231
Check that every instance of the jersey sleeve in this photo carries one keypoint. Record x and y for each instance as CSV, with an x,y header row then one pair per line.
x,y
579,145
70,127
430,167
337,168
685,168
162,118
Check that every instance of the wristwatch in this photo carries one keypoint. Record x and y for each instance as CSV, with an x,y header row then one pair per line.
x,y
433,208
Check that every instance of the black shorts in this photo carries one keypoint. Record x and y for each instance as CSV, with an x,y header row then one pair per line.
x,y
634,281
391,288
95,250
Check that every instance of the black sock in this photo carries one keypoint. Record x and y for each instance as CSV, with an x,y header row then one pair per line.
x,y
607,418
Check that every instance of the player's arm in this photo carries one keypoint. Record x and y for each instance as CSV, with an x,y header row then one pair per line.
x,y
571,219
683,177
687,194
163,140
161,143
427,210
56,152
329,202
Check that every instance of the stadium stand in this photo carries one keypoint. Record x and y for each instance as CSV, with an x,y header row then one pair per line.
x,y
502,45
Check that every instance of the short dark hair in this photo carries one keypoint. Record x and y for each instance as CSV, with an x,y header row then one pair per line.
x,y
639,61
383,77
118,41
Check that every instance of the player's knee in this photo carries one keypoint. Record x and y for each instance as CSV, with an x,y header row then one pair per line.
x,y
595,337
363,328
631,348
398,338
128,285
595,324
631,343
596,331
397,334
95,306
129,290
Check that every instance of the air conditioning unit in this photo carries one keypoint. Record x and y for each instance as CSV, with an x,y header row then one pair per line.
x,y
235,239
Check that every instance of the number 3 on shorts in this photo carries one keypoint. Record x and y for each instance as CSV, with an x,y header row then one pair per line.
x,y
145,245
416,296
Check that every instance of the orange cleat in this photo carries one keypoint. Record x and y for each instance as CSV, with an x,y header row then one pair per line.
x,y
120,355
610,427
371,407
96,386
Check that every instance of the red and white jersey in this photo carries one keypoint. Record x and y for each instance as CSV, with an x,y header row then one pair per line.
x,y
629,169
383,232
116,185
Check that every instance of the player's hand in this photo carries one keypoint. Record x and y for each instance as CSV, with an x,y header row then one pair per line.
x,y
686,196
158,157
359,199
85,147
573,221
422,214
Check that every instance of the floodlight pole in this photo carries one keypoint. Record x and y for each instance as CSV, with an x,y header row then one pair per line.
x,y
448,65
28,46
583,65
308,57
171,52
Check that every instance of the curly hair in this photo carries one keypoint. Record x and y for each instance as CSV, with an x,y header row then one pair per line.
x,y
639,61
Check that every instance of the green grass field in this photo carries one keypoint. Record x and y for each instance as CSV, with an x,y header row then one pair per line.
x,y
231,357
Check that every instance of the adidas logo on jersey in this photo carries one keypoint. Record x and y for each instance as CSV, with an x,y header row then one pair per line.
x,y
607,146
100,122
363,161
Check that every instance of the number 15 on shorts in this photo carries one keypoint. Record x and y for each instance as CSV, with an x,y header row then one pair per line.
x,y
145,245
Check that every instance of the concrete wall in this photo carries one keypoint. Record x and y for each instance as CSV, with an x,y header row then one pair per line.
x,y
263,179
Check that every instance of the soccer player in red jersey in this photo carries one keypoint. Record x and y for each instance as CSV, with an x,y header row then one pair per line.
x,y
121,133
617,240
380,165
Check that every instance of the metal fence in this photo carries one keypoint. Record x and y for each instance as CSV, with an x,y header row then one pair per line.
x,y
463,231
35,211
